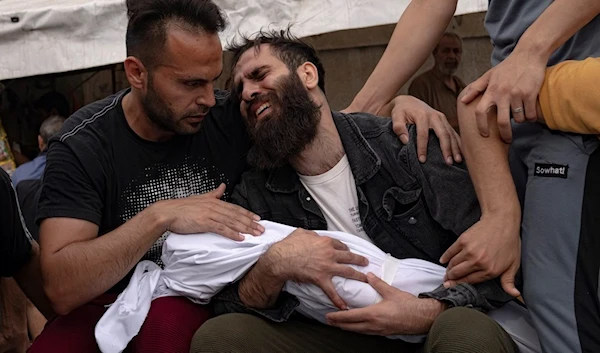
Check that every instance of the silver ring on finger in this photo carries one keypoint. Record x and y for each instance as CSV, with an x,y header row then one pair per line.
x,y
518,110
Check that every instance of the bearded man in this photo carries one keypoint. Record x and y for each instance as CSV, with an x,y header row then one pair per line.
x,y
440,87
321,170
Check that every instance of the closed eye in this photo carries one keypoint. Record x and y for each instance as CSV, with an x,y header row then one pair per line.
x,y
194,83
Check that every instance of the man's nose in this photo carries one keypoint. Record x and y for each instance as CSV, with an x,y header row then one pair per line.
x,y
207,96
250,91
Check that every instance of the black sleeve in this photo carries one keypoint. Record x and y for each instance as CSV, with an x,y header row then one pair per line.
x,y
240,195
484,296
15,241
28,193
452,202
448,190
68,189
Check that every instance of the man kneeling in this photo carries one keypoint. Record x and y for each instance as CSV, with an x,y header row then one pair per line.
x,y
317,169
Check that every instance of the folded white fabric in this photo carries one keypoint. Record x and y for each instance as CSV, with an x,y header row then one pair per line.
x,y
198,266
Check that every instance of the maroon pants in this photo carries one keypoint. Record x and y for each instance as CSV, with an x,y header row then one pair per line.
x,y
169,328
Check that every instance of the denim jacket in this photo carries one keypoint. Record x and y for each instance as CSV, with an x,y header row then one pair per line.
x,y
409,209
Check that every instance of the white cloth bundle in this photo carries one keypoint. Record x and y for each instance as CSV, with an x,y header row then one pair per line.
x,y
198,266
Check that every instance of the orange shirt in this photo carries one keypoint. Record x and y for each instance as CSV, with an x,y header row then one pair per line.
x,y
570,96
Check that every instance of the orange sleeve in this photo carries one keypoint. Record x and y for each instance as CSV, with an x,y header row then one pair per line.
x,y
570,98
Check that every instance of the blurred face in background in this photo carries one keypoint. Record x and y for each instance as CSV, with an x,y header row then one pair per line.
x,y
447,55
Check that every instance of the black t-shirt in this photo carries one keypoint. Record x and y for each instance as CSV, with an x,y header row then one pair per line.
x,y
98,169
15,241
28,195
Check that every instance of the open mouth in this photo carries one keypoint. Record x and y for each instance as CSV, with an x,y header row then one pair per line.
x,y
262,109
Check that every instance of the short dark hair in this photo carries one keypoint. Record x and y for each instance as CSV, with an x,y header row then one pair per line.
x,y
50,127
288,48
148,20
447,34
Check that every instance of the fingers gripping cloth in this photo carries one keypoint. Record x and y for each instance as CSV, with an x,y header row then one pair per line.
x,y
198,266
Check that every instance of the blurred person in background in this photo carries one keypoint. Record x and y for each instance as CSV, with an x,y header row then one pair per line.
x,y
440,87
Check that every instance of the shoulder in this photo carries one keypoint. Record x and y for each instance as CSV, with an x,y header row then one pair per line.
x,y
226,111
254,178
22,170
91,121
225,107
376,132
421,80
460,82
370,125
226,121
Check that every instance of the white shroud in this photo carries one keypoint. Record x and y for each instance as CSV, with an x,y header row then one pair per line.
x,y
198,266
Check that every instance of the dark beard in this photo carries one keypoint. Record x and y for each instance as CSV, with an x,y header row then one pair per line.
x,y
448,70
290,127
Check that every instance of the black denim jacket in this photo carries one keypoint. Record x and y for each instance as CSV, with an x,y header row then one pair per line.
x,y
409,209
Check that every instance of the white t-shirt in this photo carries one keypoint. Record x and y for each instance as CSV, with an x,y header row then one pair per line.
x,y
335,193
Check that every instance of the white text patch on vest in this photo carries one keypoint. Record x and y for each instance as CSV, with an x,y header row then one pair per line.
x,y
551,170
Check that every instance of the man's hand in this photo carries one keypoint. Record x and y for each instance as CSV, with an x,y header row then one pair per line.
x,y
410,110
512,86
399,313
306,257
207,213
490,248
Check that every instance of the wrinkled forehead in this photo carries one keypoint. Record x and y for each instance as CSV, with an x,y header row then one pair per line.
x,y
254,58
450,42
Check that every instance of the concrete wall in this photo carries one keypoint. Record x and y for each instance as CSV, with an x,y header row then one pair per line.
x,y
349,57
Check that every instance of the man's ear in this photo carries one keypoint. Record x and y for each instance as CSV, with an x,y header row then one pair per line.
x,y
309,75
41,144
136,72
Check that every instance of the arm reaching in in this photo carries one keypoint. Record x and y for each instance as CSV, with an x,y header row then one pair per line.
x,y
78,266
492,246
407,110
416,34
514,84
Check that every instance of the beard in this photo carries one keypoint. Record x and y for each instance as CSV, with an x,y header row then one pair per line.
x,y
159,113
448,68
291,125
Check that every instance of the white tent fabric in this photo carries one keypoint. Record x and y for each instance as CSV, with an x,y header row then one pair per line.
x,y
41,36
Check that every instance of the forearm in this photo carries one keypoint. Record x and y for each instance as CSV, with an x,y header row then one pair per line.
x,y
559,22
81,271
487,161
425,312
261,286
416,34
